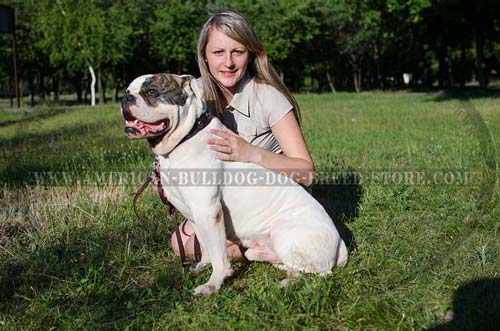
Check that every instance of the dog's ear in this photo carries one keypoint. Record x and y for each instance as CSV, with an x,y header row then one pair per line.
x,y
185,79
169,88
164,80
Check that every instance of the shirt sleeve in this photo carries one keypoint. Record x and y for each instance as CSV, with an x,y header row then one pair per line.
x,y
274,103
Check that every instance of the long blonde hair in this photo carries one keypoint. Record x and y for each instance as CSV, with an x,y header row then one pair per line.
x,y
236,26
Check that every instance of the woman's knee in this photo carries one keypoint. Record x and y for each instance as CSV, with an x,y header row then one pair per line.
x,y
187,238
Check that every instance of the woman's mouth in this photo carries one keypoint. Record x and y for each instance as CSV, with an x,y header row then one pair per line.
x,y
228,73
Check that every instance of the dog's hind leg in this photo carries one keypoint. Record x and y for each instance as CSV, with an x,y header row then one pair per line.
x,y
342,256
310,247
211,233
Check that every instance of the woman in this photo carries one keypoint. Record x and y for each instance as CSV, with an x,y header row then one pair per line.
x,y
244,91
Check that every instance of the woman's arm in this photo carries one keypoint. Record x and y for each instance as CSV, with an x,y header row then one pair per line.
x,y
295,161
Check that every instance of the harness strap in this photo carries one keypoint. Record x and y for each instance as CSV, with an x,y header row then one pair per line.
x,y
172,211
138,194
200,124
173,216
197,249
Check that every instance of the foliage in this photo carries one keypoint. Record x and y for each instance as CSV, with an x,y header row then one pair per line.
x,y
174,29
315,44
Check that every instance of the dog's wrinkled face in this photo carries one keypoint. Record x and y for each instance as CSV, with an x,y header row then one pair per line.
x,y
152,105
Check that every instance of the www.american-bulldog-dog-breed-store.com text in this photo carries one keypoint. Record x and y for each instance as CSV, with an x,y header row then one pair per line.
x,y
282,224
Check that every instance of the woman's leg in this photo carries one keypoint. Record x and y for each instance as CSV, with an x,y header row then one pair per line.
x,y
187,237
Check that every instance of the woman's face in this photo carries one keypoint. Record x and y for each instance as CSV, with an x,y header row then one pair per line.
x,y
227,59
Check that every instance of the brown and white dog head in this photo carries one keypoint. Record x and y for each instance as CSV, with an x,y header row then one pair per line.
x,y
162,108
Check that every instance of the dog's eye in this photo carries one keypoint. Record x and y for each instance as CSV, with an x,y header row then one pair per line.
x,y
151,93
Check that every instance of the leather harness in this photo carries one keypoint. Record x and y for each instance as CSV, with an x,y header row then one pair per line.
x,y
200,124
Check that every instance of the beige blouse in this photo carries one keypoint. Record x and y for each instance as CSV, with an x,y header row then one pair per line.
x,y
254,110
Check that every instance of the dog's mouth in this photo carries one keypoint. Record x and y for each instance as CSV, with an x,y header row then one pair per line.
x,y
135,128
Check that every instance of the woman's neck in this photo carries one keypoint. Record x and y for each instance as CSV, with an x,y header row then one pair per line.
x,y
228,97
229,93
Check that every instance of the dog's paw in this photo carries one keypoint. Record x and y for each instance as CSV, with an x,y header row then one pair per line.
x,y
290,280
198,267
205,289
286,282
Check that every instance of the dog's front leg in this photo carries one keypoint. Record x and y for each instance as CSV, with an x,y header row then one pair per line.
x,y
211,233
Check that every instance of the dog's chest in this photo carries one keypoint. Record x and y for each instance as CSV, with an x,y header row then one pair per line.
x,y
181,176
170,183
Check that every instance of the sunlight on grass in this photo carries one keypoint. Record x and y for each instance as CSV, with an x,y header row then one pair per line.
x,y
75,257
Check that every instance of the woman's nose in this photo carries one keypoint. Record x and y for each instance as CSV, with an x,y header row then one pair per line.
x,y
228,60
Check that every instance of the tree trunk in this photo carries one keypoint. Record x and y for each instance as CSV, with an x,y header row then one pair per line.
x,y
330,82
78,87
55,88
92,84
21,102
463,60
443,77
356,71
79,92
115,92
376,58
380,83
11,87
42,87
357,80
481,65
451,76
32,90
100,87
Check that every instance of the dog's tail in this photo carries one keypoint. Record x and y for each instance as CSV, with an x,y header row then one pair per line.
x,y
342,254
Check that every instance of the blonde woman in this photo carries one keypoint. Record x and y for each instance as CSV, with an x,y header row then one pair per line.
x,y
244,91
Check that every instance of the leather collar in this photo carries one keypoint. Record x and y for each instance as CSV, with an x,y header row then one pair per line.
x,y
201,123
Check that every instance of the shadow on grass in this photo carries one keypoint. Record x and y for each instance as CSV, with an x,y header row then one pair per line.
x,y
341,201
476,306
467,93
89,275
36,152
35,114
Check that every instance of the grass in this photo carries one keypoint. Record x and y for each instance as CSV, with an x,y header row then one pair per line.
x,y
73,256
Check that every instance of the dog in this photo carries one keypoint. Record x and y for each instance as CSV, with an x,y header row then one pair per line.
x,y
282,224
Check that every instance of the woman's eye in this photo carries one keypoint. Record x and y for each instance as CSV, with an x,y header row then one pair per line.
x,y
218,52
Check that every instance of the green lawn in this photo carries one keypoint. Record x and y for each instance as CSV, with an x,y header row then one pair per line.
x,y
74,256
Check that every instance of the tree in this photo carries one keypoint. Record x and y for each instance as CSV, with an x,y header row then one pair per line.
x,y
284,27
482,17
73,37
32,62
174,31
121,21
359,25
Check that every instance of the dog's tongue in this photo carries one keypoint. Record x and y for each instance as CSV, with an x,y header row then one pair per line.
x,y
145,128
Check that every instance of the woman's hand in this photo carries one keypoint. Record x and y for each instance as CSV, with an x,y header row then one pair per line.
x,y
295,161
231,146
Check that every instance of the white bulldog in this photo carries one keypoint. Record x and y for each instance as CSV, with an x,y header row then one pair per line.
x,y
279,223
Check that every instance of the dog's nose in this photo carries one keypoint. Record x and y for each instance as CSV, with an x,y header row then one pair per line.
x,y
127,98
